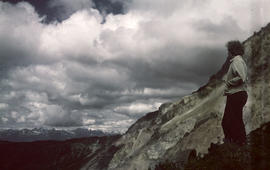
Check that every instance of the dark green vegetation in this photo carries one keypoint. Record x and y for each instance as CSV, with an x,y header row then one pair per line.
x,y
253,156
60,155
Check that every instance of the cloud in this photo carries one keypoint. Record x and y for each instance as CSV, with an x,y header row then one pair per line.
x,y
83,72
3,106
19,34
67,7
59,10
137,109
73,38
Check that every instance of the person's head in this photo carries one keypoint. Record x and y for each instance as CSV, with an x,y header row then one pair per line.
x,y
234,48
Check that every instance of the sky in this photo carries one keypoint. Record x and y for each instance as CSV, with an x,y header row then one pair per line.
x,y
102,64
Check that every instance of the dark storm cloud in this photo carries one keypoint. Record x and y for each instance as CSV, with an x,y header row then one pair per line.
x,y
43,8
59,10
169,70
109,6
83,71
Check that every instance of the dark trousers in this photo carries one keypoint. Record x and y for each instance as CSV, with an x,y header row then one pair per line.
x,y
232,122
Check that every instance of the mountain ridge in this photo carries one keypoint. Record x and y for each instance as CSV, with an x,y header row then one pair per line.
x,y
38,134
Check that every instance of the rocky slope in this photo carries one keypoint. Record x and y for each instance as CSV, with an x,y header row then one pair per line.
x,y
194,122
252,156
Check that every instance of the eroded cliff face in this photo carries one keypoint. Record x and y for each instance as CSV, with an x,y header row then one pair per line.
x,y
257,54
194,122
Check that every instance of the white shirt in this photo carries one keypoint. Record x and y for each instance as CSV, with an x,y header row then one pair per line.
x,y
236,76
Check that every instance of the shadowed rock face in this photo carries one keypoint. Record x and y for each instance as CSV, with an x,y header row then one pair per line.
x,y
253,155
54,155
194,121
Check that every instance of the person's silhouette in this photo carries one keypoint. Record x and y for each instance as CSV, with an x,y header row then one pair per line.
x,y
236,92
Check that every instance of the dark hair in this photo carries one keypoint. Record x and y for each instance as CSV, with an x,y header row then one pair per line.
x,y
235,47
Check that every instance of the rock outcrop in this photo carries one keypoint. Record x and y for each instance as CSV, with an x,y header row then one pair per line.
x,y
254,155
194,122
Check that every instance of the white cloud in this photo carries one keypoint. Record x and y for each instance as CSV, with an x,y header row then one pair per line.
x,y
114,126
88,121
74,37
4,120
3,106
135,109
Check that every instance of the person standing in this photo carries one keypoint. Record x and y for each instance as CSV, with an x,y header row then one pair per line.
x,y
236,92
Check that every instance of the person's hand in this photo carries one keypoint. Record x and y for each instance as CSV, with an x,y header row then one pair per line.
x,y
226,92
226,83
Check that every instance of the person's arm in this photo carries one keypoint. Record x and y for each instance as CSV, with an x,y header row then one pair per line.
x,y
235,81
240,71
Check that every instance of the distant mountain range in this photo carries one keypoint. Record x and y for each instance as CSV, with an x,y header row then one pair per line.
x,y
36,134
